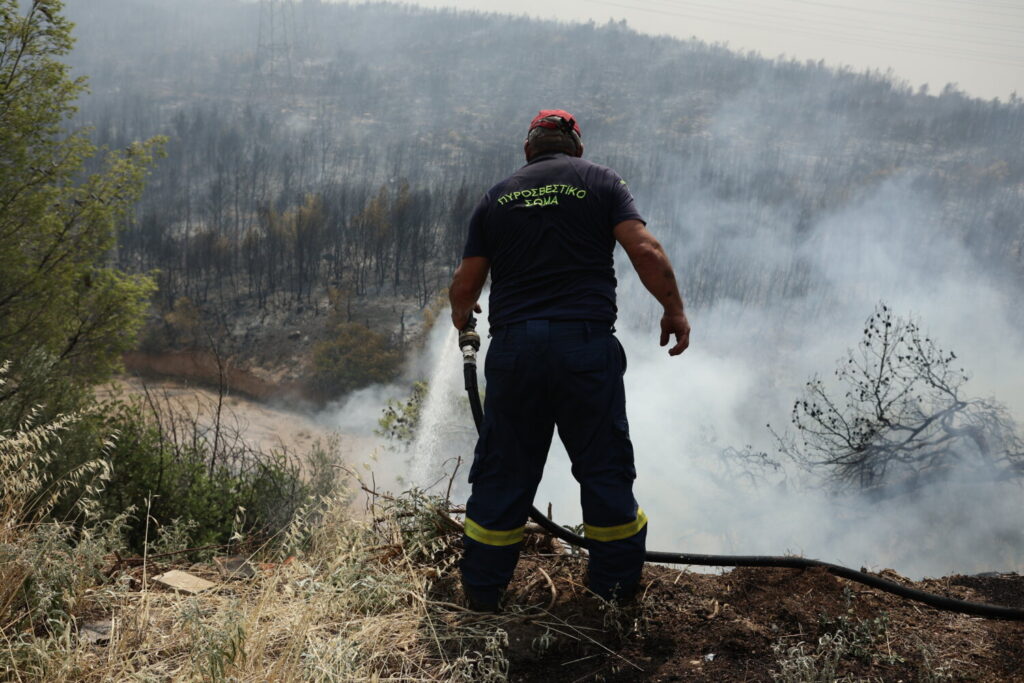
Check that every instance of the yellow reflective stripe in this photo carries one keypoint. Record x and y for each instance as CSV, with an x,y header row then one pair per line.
x,y
479,533
616,533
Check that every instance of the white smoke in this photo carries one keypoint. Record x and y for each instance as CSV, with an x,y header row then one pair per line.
x,y
745,367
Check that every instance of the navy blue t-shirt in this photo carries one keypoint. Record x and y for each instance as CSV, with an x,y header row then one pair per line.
x,y
547,230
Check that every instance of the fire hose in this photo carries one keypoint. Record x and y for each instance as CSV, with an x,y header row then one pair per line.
x,y
469,344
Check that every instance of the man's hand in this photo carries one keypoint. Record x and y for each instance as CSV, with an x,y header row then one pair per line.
x,y
461,317
678,325
655,271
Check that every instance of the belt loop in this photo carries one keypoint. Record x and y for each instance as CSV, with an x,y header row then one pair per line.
x,y
586,327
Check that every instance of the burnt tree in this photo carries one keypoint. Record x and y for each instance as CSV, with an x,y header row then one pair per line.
x,y
899,418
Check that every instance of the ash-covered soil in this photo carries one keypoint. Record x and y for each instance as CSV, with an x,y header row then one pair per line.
x,y
752,624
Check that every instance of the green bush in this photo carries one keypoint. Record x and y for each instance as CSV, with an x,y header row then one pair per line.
x,y
182,470
354,357
178,468
160,457
400,419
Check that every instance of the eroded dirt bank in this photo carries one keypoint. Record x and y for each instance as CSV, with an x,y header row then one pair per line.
x,y
275,424
203,368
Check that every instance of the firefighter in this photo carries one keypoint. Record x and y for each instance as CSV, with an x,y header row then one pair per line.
x,y
546,235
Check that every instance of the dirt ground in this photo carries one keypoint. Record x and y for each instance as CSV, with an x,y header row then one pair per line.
x,y
264,427
754,624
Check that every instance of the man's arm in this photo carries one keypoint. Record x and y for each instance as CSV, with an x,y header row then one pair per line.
x,y
467,283
655,270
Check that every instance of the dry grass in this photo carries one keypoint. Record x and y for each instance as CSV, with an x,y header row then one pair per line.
x,y
333,600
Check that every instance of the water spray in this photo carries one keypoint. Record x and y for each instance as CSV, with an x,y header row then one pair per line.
x,y
469,345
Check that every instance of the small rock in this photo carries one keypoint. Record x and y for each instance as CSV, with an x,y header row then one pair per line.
x,y
183,582
235,567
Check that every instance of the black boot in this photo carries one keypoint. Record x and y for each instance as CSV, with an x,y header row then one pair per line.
x,y
482,600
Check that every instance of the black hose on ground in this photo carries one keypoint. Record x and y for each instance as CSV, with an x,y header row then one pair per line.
x,y
469,343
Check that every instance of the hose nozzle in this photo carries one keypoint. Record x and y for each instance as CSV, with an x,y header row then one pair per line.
x,y
469,340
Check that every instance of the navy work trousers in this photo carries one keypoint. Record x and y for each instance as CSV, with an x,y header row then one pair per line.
x,y
542,374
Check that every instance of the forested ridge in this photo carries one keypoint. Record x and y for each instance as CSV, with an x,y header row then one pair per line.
x,y
341,147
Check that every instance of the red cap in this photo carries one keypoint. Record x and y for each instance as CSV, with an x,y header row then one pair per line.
x,y
540,122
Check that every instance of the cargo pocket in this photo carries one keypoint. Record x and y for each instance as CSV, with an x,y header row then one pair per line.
x,y
623,447
479,453
586,384
622,353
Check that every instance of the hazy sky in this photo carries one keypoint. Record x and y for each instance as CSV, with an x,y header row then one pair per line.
x,y
977,44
